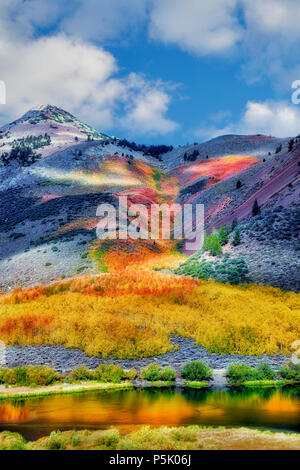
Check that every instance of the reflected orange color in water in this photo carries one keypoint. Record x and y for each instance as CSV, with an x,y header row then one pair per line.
x,y
10,413
161,407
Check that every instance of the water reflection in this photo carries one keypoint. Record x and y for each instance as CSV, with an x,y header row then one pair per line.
x,y
273,409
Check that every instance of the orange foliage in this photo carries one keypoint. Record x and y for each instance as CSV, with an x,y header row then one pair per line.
x,y
217,168
130,281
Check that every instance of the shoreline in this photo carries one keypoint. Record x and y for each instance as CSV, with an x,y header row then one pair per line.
x,y
22,392
193,437
59,389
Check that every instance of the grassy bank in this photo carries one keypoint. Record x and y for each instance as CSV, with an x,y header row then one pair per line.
x,y
269,383
161,438
197,385
61,389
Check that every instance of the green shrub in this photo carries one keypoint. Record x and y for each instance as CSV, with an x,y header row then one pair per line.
x,y
109,373
223,235
154,373
82,373
239,373
290,372
12,441
151,372
264,372
75,439
29,375
233,270
212,244
56,441
111,438
21,375
42,375
129,374
7,376
196,370
167,374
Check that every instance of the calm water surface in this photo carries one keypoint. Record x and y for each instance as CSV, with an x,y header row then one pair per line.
x,y
268,409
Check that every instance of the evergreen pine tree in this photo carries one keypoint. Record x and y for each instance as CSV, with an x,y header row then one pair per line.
x,y
291,145
255,208
236,238
234,225
223,235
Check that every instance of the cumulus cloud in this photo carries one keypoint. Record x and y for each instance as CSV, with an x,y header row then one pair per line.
x,y
280,17
101,20
58,70
271,118
93,20
53,51
264,33
276,118
271,41
70,72
146,109
199,27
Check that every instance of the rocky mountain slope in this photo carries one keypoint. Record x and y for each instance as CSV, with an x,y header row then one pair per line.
x,y
55,171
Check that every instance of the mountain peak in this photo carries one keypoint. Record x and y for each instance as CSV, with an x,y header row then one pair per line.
x,y
51,118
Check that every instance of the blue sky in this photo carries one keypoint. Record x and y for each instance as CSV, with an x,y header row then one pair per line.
x,y
155,71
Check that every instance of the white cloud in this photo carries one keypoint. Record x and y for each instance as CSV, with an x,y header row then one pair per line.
x,y
146,109
58,70
93,20
101,20
271,41
199,27
67,70
72,73
279,119
280,17
265,34
272,118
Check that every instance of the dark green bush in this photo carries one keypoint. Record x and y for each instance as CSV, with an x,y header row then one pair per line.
x,y
196,370
290,372
167,374
264,372
233,270
239,373
151,373
154,373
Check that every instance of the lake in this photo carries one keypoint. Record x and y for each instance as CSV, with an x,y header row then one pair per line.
x,y
262,409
